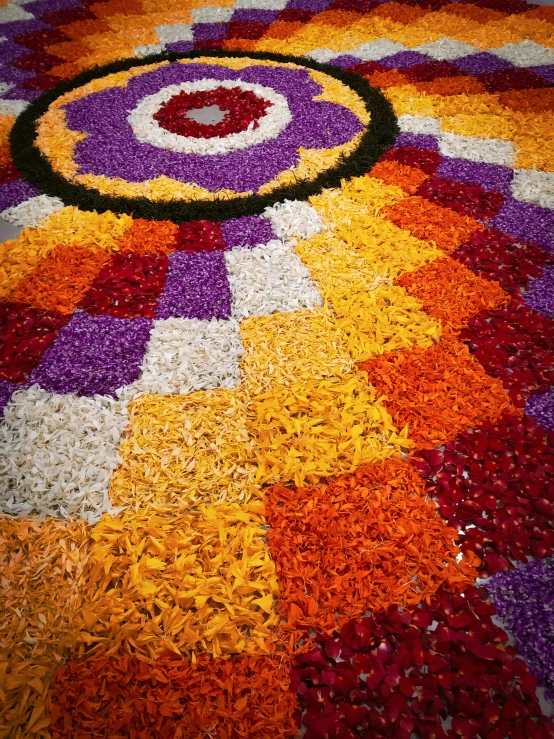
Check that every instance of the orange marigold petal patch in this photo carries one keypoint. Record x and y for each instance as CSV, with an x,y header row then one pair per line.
x,y
390,78
150,237
42,564
61,279
452,293
438,391
401,175
451,86
359,543
432,222
119,696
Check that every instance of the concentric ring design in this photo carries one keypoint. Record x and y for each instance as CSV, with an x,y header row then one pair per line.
x,y
148,130
112,163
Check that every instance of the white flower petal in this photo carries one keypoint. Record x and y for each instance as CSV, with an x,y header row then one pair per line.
x,y
491,151
269,279
446,49
211,14
419,124
12,107
525,54
148,49
57,454
169,34
378,49
33,211
533,186
187,354
294,218
261,4
11,13
323,55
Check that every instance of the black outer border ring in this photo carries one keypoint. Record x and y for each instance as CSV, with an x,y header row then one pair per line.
x,y
36,169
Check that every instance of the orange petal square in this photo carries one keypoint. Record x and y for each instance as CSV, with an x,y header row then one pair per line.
x,y
431,222
61,279
450,292
437,392
150,237
359,543
451,86
390,78
119,696
401,175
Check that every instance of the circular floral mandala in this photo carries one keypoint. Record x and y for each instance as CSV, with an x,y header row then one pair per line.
x,y
125,137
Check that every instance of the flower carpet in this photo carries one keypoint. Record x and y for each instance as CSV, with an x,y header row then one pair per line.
x,y
277,369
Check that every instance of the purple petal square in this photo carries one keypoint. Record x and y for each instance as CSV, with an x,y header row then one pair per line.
x,y
247,231
481,63
545,71
526,221
489,176
7,389
244,15
10,51
523,599
93,354
181,47
19,93
541,407
417,141
540,293
14,74
196,286
345,61
14,193
41,7
207,31
316,6
404,59
14,28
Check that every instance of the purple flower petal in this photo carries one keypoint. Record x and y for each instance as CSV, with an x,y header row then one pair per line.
x,y
93,354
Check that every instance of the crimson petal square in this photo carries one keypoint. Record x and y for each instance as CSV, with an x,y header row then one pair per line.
x,y
25,335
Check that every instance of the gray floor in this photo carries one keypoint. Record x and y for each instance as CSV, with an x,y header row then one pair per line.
x,y
8,231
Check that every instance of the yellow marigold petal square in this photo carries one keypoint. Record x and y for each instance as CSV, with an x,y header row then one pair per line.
x,y
313,429
185,450
197,580
284,348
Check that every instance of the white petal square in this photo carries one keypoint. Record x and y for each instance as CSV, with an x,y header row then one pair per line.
x,y
378,49
294,219
57,454
323,55
187,354
533,186
261,4
474,149
211,14
147,49
446,49
525,54
269,279
169,34
419,124
10,13
33,211
12,107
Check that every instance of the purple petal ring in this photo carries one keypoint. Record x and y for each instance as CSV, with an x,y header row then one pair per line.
x,y
94,142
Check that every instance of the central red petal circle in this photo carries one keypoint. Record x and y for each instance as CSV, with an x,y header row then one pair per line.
x,y
244,109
